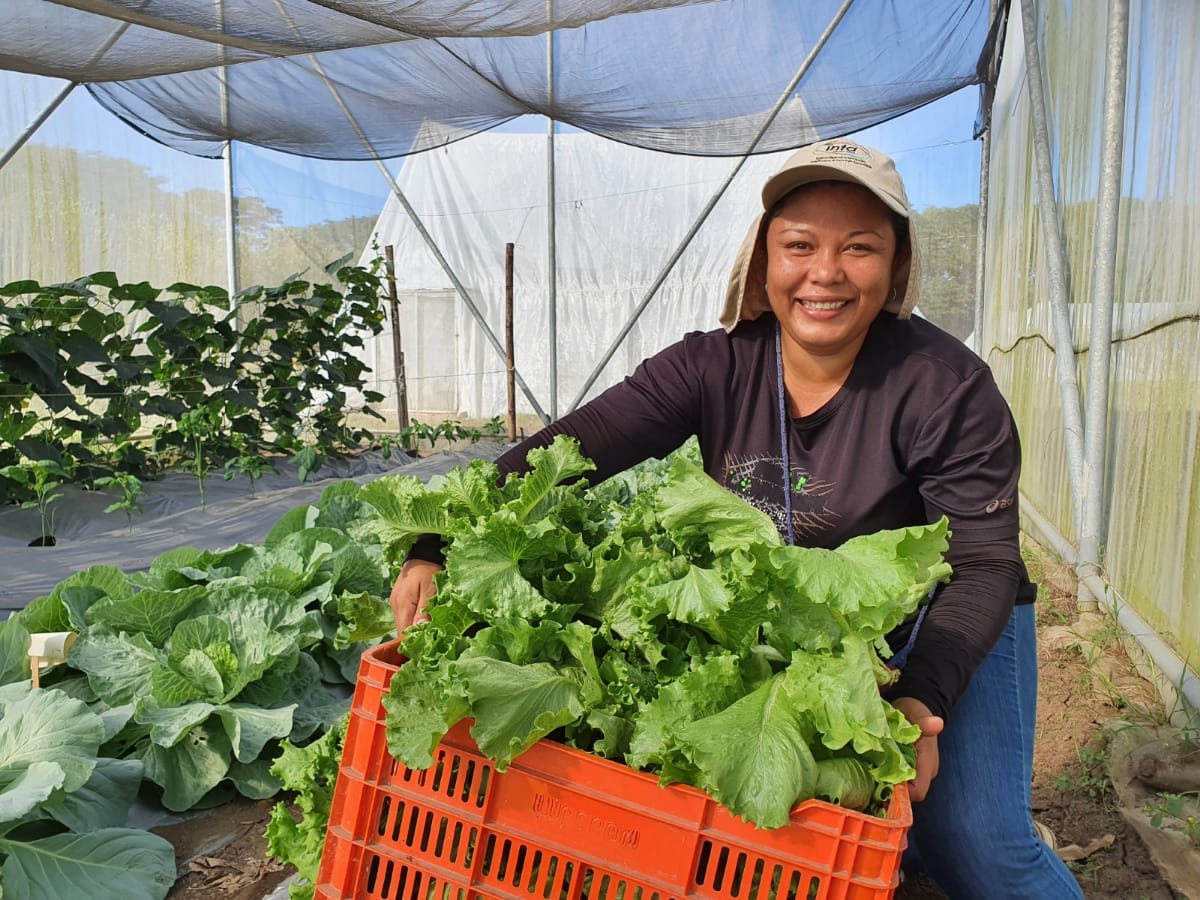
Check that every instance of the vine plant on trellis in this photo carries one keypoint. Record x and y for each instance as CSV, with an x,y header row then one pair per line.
x,y
97,375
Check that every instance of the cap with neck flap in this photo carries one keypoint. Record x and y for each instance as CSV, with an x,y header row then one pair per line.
x,y
838,160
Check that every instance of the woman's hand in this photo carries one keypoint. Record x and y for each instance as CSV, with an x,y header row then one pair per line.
x,y
411,593
927,748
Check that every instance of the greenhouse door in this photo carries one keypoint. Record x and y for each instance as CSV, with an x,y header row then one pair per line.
x,y
431,352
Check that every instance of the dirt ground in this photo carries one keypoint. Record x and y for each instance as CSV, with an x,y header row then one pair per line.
x,y
1085,682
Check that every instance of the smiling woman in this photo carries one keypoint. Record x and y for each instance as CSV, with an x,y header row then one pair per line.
x,y
828,407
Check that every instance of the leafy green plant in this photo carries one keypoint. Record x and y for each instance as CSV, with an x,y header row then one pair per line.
x,y
416,431
63,806
310,772
675,631
389,442
1180,808
87,365
494,427
252,466
198,427
42,477
210,658
1090,777
130,487
310,459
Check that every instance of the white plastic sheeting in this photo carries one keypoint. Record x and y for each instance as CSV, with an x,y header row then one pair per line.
x,y
172,516
620,214
1151,488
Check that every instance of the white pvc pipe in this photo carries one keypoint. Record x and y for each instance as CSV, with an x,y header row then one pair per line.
x,y
1104,265
1056,263
1166,660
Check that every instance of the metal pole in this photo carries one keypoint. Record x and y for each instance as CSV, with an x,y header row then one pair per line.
x,y
230,205
459,287
999,19
700,220
551,217
230,225
1056,263
985,173
398,373
510,365
58,98
1104,265
34,125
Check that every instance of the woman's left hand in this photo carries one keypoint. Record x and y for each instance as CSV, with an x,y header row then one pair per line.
x,y
927,748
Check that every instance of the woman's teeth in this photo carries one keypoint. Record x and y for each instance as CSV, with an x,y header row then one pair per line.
x,y
824,304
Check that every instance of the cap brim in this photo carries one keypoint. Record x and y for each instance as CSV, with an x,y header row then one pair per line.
x,y
788,180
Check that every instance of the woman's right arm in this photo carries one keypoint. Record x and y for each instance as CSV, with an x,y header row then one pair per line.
x,y
648,414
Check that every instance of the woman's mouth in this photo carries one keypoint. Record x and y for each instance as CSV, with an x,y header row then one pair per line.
x,y
824,305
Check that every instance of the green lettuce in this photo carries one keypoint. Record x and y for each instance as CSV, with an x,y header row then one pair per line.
x,y
661,621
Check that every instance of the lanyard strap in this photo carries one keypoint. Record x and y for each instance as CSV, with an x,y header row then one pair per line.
x,y
784,453
900,658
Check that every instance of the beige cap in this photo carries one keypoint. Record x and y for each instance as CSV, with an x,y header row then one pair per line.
x,y
838,160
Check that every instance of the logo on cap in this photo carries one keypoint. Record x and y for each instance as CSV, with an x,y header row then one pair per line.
x,y
843,150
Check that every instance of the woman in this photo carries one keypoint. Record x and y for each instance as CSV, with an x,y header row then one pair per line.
x,y
825,405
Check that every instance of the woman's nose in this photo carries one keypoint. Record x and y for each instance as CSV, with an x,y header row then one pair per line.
x,y
825,266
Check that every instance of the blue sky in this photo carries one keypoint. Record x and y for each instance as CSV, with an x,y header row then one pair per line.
x,y
933,148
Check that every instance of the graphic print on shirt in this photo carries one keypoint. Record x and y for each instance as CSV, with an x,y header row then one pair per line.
x,y
756,479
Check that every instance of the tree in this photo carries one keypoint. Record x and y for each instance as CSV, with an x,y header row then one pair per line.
x,y
948,239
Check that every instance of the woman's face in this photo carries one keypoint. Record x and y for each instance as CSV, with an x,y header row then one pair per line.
x,y
831,252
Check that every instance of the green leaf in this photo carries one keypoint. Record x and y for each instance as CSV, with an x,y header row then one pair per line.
x,y
120,668
406,511
29,789
515,706
753,756
110,864
104,801
486,570
421,707
254,779
48,725
14,651
364,617
838,691
190,769
151,612
705,691
845,781
311,772
691,503
549,467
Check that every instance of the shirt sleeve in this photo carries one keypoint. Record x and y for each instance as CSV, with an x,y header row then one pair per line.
x,y
966,458
648,414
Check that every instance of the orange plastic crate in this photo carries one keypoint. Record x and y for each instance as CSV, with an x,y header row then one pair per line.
x,y
560,824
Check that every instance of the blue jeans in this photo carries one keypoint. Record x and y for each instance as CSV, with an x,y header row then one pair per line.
x,y
973,834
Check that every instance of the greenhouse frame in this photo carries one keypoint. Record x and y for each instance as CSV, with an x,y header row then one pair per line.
x,y
617,145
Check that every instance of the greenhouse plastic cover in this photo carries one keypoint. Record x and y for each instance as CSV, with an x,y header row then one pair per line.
x,y
363,79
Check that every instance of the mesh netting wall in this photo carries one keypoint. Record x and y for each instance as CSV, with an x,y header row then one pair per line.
x,y
1151,553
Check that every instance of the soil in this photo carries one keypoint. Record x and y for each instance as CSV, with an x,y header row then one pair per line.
x,y
1086,681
